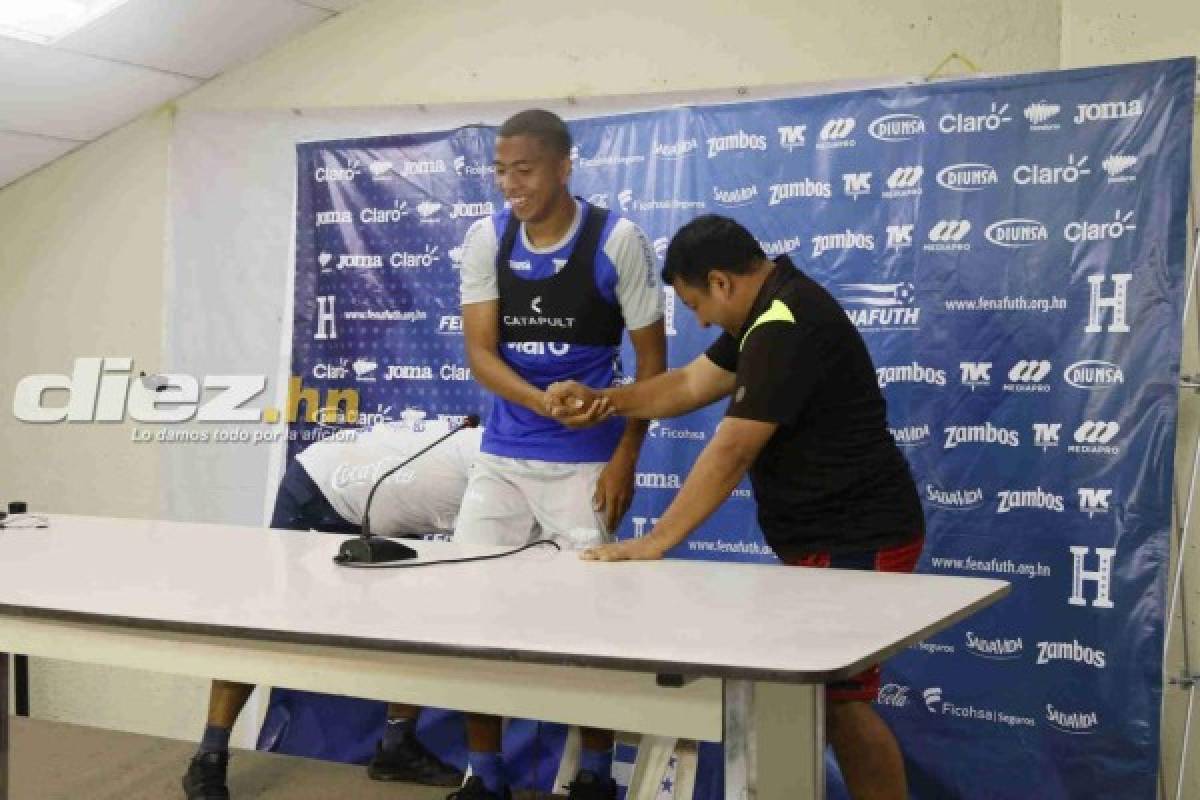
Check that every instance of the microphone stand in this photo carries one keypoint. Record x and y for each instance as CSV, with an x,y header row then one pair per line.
x,y
367,548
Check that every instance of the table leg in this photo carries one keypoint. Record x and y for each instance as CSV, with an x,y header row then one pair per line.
x,y
774,741
4,726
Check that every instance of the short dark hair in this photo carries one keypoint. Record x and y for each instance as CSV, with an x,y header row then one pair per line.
x,y
710,242
545,126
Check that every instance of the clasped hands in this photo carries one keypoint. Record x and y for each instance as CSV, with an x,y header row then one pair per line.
x,y
576,405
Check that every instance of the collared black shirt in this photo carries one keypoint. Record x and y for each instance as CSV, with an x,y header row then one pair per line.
x,y
831,477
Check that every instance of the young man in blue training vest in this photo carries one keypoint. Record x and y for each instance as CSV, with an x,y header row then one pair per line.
x,y
548,287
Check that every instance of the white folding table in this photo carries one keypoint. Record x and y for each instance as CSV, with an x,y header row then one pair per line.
x,y
685,649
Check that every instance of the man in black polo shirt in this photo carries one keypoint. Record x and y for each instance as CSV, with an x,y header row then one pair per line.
x,y
807,420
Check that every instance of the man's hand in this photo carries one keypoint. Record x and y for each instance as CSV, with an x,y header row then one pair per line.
x,y
576,405
614,490
647,548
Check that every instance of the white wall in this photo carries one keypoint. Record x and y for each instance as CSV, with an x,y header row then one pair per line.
x,y
94,219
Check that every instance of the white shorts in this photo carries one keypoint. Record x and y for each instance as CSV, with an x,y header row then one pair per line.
x,y
513,501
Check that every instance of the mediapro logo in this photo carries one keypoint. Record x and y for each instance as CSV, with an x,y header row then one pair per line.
x,y
1016,233
949,235
896,127
1028,376
1095,436
970,176
836,133
1093,374
904,182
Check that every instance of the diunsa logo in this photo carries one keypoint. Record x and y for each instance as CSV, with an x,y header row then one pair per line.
x,y
896,127
1016,232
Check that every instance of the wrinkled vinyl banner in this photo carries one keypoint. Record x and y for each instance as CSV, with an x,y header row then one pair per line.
x,y
1012,250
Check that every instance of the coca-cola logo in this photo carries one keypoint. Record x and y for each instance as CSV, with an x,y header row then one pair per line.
x,y
892,694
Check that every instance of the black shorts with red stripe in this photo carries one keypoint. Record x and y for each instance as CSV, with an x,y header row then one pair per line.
x,y
903,557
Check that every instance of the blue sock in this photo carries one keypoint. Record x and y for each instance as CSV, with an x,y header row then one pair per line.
x,y
395,732
598,762
490,769
215,740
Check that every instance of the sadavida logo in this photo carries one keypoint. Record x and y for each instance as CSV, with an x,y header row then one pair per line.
x,y
1075,722
911,435
954,499
997,648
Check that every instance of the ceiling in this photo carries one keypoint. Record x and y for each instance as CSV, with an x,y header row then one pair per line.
x,y
54,98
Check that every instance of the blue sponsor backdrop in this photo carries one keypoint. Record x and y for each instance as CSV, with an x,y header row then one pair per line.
x,y
1012,250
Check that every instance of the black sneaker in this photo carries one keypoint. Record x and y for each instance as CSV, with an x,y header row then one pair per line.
x,y
205,778
410,761
474,789
590,786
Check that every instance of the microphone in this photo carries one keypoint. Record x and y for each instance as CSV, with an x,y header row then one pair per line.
x,y
368,548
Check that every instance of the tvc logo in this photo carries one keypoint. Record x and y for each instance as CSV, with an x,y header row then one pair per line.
x,y
899,236
856,184
976,374
1094,501
791,136
1046,434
